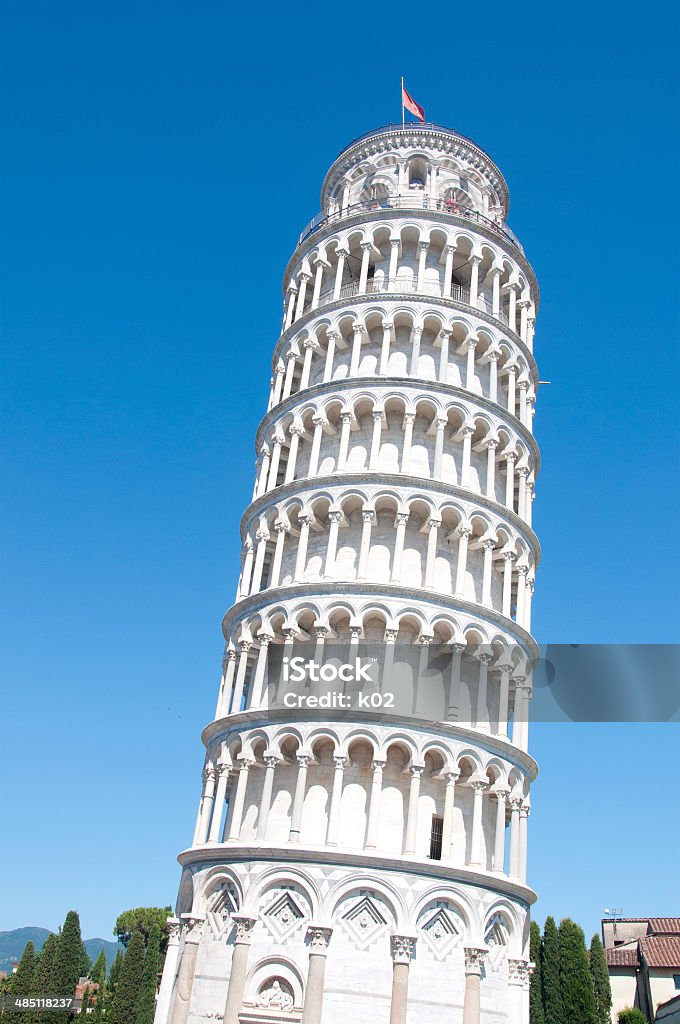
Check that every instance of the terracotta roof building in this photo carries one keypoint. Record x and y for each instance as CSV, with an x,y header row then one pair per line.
x,y
643,957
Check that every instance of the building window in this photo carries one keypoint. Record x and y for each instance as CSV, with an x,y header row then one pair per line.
x,y
436,837
676,980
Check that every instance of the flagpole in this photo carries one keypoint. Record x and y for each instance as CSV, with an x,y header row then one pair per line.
x,y
402,102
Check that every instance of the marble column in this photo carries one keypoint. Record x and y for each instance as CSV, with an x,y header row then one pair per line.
x,y
416,770
271,761
299,797
374,807
318,938
448,852
403,948
191,928
501,795
478,785
239,967
339,760
169,971
223,770
474,960
236,815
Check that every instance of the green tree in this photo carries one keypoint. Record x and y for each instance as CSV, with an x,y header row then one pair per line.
x,y
71,960
536,1014
600,976
576,986
630,1016
20,982
42,975
126,996
550,970
99,970
147,996
142,919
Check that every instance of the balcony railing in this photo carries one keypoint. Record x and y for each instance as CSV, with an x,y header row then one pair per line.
x,y
417,201
405,286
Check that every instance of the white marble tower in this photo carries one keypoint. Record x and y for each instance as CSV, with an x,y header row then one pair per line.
x,y
370,865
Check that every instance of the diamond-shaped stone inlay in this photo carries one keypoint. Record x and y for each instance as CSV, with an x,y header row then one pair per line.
x,y
441,931
364,922
283,915
222,905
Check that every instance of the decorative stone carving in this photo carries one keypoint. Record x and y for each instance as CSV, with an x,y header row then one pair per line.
x,y
403,948
276,994
364,922
441,931
474,959
222,905
284,914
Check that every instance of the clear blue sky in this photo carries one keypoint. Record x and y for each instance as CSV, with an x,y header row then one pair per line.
x,y
160,161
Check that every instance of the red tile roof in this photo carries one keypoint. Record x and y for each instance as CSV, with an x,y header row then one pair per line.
x,y
664,925
623,956
661,950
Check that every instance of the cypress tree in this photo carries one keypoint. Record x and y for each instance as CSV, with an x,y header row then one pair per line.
x,y
124,1005
600,976
147,996
20,982
41,983
550,970
536,1014
71,961
42,975
99,970
114,973
576,986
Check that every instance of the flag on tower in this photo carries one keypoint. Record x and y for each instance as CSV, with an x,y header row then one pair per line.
x,y
410,104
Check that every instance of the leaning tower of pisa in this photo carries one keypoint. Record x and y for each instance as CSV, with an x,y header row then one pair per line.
x,y
372,860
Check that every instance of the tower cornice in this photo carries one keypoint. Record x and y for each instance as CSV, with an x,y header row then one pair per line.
x,y
394,481
209,856
329,588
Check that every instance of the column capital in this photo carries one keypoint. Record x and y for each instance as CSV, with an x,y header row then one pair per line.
x,y
244,927
433,522
416,770
355,632
271,760
192,926
367,515
280,527
289,633
464,531
423,246
401,518
335,517
366,246
519,971
358,329
321,632
378,764
339,760
387,325
474,959
174,928
245,645
318,937
402,948
440,422
391,635
475,260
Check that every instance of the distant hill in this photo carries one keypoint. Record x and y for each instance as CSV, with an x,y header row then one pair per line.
x,y
12,945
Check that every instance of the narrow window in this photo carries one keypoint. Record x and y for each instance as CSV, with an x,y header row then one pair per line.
x,y
436,837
